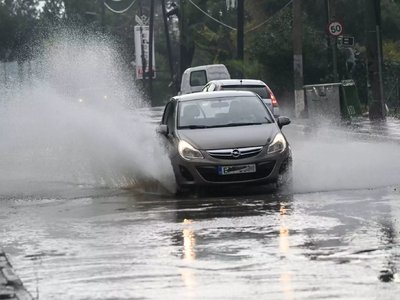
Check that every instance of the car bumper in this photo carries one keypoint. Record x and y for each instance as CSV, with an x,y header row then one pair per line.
x,y
204,172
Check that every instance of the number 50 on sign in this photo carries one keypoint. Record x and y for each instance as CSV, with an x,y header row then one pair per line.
x,y
335,28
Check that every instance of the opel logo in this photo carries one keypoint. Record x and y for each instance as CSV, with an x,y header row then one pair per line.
x,y
236,153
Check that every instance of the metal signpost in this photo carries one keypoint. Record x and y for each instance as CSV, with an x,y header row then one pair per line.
x,y
335,29
142,38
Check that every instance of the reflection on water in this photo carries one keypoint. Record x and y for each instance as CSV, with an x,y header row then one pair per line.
x,y
189,255
284,247
189,242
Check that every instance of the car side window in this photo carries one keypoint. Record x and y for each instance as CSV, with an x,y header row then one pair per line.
x,y
198,78
166,112
212,87
170,118
205,89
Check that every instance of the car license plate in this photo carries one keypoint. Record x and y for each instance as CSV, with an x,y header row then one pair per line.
x,y
227,170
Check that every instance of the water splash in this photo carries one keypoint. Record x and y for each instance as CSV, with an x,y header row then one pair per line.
x,y
331,160
78,119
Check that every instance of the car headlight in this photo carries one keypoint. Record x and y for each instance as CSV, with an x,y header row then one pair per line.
x,y
188,152
278,145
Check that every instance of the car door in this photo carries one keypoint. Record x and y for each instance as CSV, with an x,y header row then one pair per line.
x,y
169,119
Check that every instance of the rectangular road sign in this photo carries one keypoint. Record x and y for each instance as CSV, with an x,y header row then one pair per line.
x,y
348,41
143,39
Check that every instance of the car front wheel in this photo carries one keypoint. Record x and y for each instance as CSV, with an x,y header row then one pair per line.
x,y
285,177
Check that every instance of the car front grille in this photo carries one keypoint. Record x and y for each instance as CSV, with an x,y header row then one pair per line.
x,y
235,153
210,173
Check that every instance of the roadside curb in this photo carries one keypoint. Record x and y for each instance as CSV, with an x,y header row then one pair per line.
x,y
11,286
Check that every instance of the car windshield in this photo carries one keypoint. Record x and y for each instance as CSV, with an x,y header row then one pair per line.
x,y
258,89
223,112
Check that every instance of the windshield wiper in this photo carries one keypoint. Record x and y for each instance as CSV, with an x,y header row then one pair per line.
x,y
194,127
237,124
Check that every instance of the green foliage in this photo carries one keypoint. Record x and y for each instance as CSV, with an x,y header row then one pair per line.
x,y
268,49
391,51
249,69
53,9
273,50
17,20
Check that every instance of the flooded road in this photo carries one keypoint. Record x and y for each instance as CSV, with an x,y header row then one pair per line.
x,y
117,244
86,210
335,235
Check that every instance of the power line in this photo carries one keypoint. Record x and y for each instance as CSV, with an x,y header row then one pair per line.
x,y
269,18
230,27
211,17
118,11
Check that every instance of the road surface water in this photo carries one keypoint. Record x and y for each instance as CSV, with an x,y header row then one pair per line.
x,y
86,212
328,238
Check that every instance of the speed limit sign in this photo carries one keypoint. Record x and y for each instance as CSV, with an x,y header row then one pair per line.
x,y
335,28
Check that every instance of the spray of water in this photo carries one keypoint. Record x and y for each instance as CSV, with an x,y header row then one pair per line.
x,y
329,160
77,119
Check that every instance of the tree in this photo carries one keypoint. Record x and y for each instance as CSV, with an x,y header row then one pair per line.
x,y
18,18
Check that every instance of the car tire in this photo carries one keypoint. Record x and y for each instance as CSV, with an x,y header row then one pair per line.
x,y
179,191
189,191
285,177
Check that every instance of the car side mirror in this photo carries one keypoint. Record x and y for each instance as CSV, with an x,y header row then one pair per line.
x,y
162,129
283,121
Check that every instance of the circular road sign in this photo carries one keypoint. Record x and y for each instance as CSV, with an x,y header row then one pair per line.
x,y
335,28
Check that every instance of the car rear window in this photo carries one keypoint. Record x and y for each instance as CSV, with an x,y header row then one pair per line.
x,y
258,89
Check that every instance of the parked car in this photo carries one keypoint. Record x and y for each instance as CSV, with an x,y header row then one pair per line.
x,y
194,79
256,86
225,138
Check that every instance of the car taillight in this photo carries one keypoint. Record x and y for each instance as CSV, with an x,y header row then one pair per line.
x,y
273,99
274,102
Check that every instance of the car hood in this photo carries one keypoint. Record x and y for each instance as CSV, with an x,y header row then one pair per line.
x,y
229,137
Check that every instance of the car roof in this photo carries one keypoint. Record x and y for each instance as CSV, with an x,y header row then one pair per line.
x,y
210,95
205,67
239,82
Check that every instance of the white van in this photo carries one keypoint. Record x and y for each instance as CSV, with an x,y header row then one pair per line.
x,y
194,79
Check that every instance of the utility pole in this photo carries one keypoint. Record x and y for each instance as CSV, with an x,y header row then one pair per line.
x,y
103,17
240,30
332,44
151,38
240,34
328,37
334,50
171,68
182,61
144,62
298,59
377,110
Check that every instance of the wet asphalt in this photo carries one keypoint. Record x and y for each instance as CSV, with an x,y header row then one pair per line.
x,y
113,244
338,241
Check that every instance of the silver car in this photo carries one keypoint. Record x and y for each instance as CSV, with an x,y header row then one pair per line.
x,y
252,85
225,138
